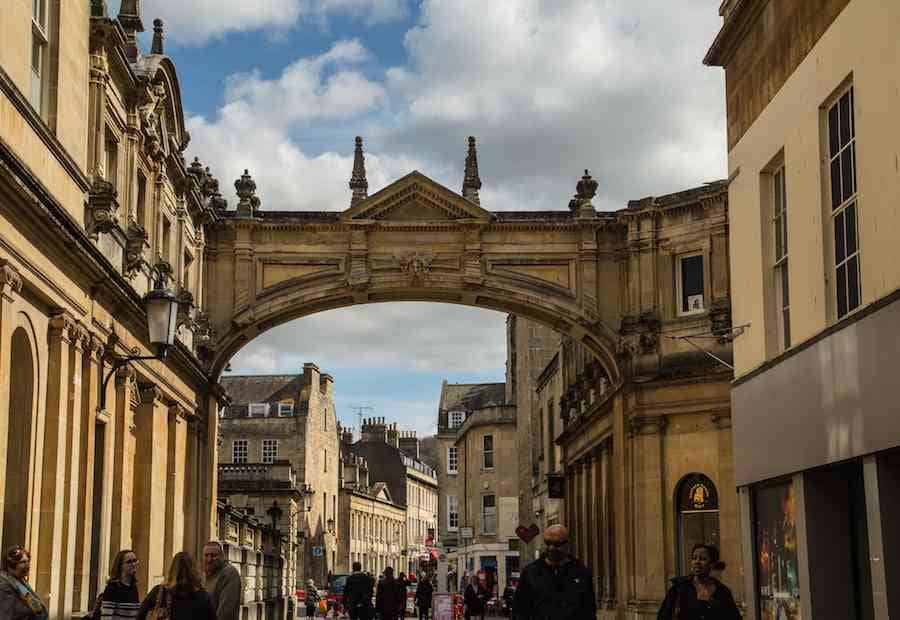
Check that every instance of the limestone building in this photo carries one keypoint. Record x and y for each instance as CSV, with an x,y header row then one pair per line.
x,y
488,494
457,402
812,90
373,527
641,473
283,427
410,483
96,207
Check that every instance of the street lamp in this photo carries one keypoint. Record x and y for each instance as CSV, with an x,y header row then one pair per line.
x,y
161,305
275,512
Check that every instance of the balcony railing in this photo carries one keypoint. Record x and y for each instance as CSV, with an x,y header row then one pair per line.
x,y
279,474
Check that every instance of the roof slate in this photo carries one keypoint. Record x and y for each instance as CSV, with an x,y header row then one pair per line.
x,y
246,389
471,396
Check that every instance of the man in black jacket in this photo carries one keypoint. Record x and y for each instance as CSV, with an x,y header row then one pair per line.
x,y
358,594
556,586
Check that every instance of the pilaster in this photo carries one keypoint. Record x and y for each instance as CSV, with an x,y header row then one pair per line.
x,y
176,465
92,367
72,467
108,483
123,446
191,487
48,562
148,524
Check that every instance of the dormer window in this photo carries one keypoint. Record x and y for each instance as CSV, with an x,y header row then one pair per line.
x,y
258,410
286,408
456,418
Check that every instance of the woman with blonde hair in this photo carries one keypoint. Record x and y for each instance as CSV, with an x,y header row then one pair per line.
x,y
17,600
120,597
180,597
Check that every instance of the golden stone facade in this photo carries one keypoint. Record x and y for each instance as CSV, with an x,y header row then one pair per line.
x,y
95,199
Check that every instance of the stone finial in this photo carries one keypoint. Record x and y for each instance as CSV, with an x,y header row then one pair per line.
x,y
158,36
358,182
471,182
130,18
99,8
585,190
196,169
246,191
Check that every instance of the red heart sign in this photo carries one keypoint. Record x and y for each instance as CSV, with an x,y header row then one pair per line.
x,y
527,533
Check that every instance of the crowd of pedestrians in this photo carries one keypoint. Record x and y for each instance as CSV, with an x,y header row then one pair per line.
x,y
556,586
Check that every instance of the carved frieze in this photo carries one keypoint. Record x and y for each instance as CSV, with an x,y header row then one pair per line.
x,y
415,265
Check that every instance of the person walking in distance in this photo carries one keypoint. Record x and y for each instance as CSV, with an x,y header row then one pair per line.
x,y
423,598
119,599
358,594
389,598
404,586
181,596
474,599
700,596
223,582
312,599
17,600
555,586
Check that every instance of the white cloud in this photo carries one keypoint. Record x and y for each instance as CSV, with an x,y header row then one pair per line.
x,y
195,22
422,337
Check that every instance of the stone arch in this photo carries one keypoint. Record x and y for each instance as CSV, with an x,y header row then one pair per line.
x,y
599,341
22,407
696,515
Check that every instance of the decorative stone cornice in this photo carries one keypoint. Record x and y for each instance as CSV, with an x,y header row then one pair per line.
x,y
150,393
10,280
646,425
177,413
64,327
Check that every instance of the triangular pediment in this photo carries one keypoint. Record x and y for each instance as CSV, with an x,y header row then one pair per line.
x,y
415,198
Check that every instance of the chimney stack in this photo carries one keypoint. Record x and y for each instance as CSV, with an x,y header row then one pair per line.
x,y
393,436
409,443
373,429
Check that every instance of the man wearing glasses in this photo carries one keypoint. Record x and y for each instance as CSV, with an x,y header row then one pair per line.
x,y
556,586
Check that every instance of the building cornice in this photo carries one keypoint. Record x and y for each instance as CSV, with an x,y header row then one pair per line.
x,y
738,20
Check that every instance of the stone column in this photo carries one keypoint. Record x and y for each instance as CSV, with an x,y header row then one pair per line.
x,y
210,467
10,286
84,506
51,544
594,546
150,469
649,516
123,446
176,465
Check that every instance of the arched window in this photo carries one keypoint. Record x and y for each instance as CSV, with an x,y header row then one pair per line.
x,y
18,444
697,513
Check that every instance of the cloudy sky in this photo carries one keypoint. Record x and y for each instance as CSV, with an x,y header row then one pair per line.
x,y
549,88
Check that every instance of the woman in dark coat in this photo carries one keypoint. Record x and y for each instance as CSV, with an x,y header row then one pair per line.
x,y
390,597
181,593
17,600
474,599
700,596
120,597
423,598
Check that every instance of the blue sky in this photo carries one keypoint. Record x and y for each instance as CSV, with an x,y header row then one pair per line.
x,y
549,88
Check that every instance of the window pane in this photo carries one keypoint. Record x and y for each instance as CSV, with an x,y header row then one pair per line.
x,y
845,119
853,283
841,288
834,144
853,166
691,282
839,248
850,221
785,287
847,173
36,51
786,322
779,239
488,442
836,183
488,501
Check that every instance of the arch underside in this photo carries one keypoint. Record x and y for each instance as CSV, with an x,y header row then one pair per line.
x,y
551,308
